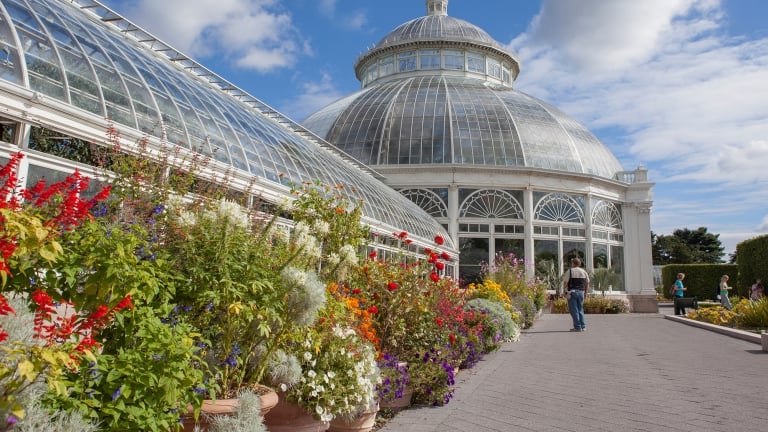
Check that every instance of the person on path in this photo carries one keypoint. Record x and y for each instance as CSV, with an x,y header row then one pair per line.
x,y
724,288
757,291
576,284
679,292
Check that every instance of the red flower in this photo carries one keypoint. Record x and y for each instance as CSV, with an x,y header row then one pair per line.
x,y
439,240
403,234
373,310
434,276
445,256
439,265
408,241
452,338
372,255
356,291
438,321
392,286
124,303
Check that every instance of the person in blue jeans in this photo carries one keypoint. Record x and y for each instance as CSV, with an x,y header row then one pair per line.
x,y
679,292
576,284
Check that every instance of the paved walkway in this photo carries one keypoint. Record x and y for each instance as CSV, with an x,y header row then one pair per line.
x,y
627,372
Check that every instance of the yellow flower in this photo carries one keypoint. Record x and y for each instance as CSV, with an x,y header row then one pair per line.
x,y
235,308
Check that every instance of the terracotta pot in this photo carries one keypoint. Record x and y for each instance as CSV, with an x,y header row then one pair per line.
x,y
267,399
364,423
286,416
209,409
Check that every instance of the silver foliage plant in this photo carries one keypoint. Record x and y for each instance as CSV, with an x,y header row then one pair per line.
x,y
247,418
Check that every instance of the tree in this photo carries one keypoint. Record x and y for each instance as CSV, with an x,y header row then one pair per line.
x,y
685,246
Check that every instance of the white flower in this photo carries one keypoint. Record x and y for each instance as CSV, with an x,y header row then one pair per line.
x,y
307,355
322,227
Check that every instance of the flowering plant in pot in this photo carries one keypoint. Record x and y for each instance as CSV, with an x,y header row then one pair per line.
x,y
88,286
339,374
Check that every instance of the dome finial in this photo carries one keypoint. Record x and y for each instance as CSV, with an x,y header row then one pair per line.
x,y
437,7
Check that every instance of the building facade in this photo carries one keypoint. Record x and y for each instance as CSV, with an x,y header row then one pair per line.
x,y
505,173
72,71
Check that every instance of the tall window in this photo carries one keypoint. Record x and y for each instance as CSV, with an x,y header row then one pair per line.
x,y
406,61
387,66
475,63
453,60
494,68
429,59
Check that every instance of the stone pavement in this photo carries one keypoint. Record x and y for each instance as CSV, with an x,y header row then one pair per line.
x,y
627,372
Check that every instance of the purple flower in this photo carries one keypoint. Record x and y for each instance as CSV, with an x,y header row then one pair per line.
x,y
117,392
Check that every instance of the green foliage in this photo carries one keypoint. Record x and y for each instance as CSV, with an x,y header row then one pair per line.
x,y
501,326
751,314
685,246
751,256
509,272
144,383
700,279
603,278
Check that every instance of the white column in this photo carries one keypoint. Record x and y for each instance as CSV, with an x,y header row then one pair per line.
x,y
453,212
530,270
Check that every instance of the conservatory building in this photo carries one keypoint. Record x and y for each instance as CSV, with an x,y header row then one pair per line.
x,y
72,71
505,173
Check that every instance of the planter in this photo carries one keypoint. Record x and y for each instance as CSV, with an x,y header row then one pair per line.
x,y
363,423
211,408
289,417
268,399
397,404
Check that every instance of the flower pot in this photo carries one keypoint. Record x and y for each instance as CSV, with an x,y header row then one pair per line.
x,y
286,416
397,404
268,399
210,408
363,423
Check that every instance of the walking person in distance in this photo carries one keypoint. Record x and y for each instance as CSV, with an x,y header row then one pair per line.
x,y
679,292
576,285
724,288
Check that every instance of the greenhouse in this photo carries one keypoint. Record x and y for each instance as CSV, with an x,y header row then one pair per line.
x,y
504,172
70,71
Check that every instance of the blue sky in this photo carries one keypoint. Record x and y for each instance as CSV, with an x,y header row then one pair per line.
x,y
677,86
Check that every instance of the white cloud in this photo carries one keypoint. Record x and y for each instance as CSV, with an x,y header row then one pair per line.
x,y
664,85
314,95
254,34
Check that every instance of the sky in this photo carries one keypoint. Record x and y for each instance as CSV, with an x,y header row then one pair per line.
x,y
679,87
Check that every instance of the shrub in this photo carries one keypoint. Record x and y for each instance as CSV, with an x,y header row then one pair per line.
x,y
500,326
751,314
560,305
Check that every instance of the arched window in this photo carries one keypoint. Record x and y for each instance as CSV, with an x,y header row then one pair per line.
x,y
491,204
427,200
606,214
559,207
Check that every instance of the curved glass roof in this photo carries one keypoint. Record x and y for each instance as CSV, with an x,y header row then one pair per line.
x,y
459,121
438,90
82,53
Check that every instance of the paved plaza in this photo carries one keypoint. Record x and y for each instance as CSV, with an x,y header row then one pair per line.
x,y
627,372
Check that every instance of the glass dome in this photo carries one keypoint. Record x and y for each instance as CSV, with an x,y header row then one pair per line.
x,y
438,91
84,55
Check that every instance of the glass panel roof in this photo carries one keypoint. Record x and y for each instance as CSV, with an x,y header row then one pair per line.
x,y
82,53
443,119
